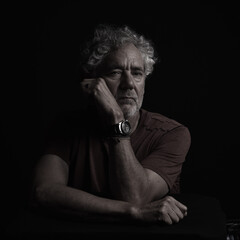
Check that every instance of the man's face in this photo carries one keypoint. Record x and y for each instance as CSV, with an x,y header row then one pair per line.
x,y
123,71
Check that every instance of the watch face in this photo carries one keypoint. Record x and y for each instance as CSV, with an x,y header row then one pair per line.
x,y
126,127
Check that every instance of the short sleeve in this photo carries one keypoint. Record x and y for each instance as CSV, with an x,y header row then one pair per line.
x,y
168,153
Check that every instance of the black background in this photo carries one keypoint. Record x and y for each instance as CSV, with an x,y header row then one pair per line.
x,y
195,82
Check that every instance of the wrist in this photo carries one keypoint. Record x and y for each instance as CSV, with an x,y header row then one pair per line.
x,y
134,212
121,129
117,116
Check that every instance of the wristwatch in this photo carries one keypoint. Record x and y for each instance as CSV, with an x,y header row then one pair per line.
x,y
122,128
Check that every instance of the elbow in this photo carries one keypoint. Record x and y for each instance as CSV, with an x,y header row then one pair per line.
x,y
137,199
39,196
142,198
138,196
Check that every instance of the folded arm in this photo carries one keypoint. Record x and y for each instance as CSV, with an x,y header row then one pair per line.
x,y
50,190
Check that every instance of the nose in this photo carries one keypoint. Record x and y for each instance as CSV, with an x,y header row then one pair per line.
x,y
127,81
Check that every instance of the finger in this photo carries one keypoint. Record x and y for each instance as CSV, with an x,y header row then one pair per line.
x,y
101,84
96,86
165,218
181,206
179,213
167,212
178,207
172,214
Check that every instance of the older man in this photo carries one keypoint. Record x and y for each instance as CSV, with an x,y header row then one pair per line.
x,y
114,160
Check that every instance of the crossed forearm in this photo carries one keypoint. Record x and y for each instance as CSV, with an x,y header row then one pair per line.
x,y
128,179
86,206
75,202
51,191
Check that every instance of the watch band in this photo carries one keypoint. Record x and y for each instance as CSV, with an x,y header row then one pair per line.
x,y
120,129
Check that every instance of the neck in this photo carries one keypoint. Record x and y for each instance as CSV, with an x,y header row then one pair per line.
x,y
134,121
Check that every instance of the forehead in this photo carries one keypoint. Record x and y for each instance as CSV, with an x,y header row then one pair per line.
x,y
126,56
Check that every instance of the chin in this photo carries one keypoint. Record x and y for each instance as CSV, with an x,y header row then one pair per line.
x,y
129,110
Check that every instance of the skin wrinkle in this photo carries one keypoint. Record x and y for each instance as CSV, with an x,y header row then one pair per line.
x,y
128,59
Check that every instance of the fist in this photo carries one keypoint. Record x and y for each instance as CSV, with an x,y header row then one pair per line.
x,y
167,210
97,90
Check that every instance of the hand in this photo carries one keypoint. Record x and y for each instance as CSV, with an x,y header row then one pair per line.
x,y
104,100
167,209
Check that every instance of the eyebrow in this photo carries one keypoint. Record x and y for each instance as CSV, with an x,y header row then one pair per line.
x,y
137,69
118,66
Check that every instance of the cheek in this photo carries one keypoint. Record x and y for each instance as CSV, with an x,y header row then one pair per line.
x,y
140,89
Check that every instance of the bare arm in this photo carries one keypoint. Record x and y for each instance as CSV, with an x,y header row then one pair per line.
x,y
51,190
129,180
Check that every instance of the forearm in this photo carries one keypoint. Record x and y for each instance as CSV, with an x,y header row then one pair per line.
x,y
76,202
128,179
85,206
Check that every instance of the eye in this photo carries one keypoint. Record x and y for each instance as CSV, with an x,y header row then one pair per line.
x,y
115,74
137,74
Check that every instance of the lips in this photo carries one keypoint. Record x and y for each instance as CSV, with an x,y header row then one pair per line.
x,y
126,99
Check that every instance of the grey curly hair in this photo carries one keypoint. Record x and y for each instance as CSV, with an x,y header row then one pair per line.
x,y
107,38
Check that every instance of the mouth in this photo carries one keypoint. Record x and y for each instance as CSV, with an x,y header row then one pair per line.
x,y
131,98
126,99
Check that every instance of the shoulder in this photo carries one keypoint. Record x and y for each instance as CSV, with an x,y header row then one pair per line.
x,y
167,131
165,128
153,120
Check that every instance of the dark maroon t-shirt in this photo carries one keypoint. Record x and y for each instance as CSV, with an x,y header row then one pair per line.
x,y
159,144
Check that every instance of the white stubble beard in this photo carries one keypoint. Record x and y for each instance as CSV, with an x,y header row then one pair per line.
x,y
130,109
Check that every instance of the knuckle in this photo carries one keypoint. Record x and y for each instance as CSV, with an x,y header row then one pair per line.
x,y
163,210
94,92
99,80
96,87
98,83
169,199
165,204
163,213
